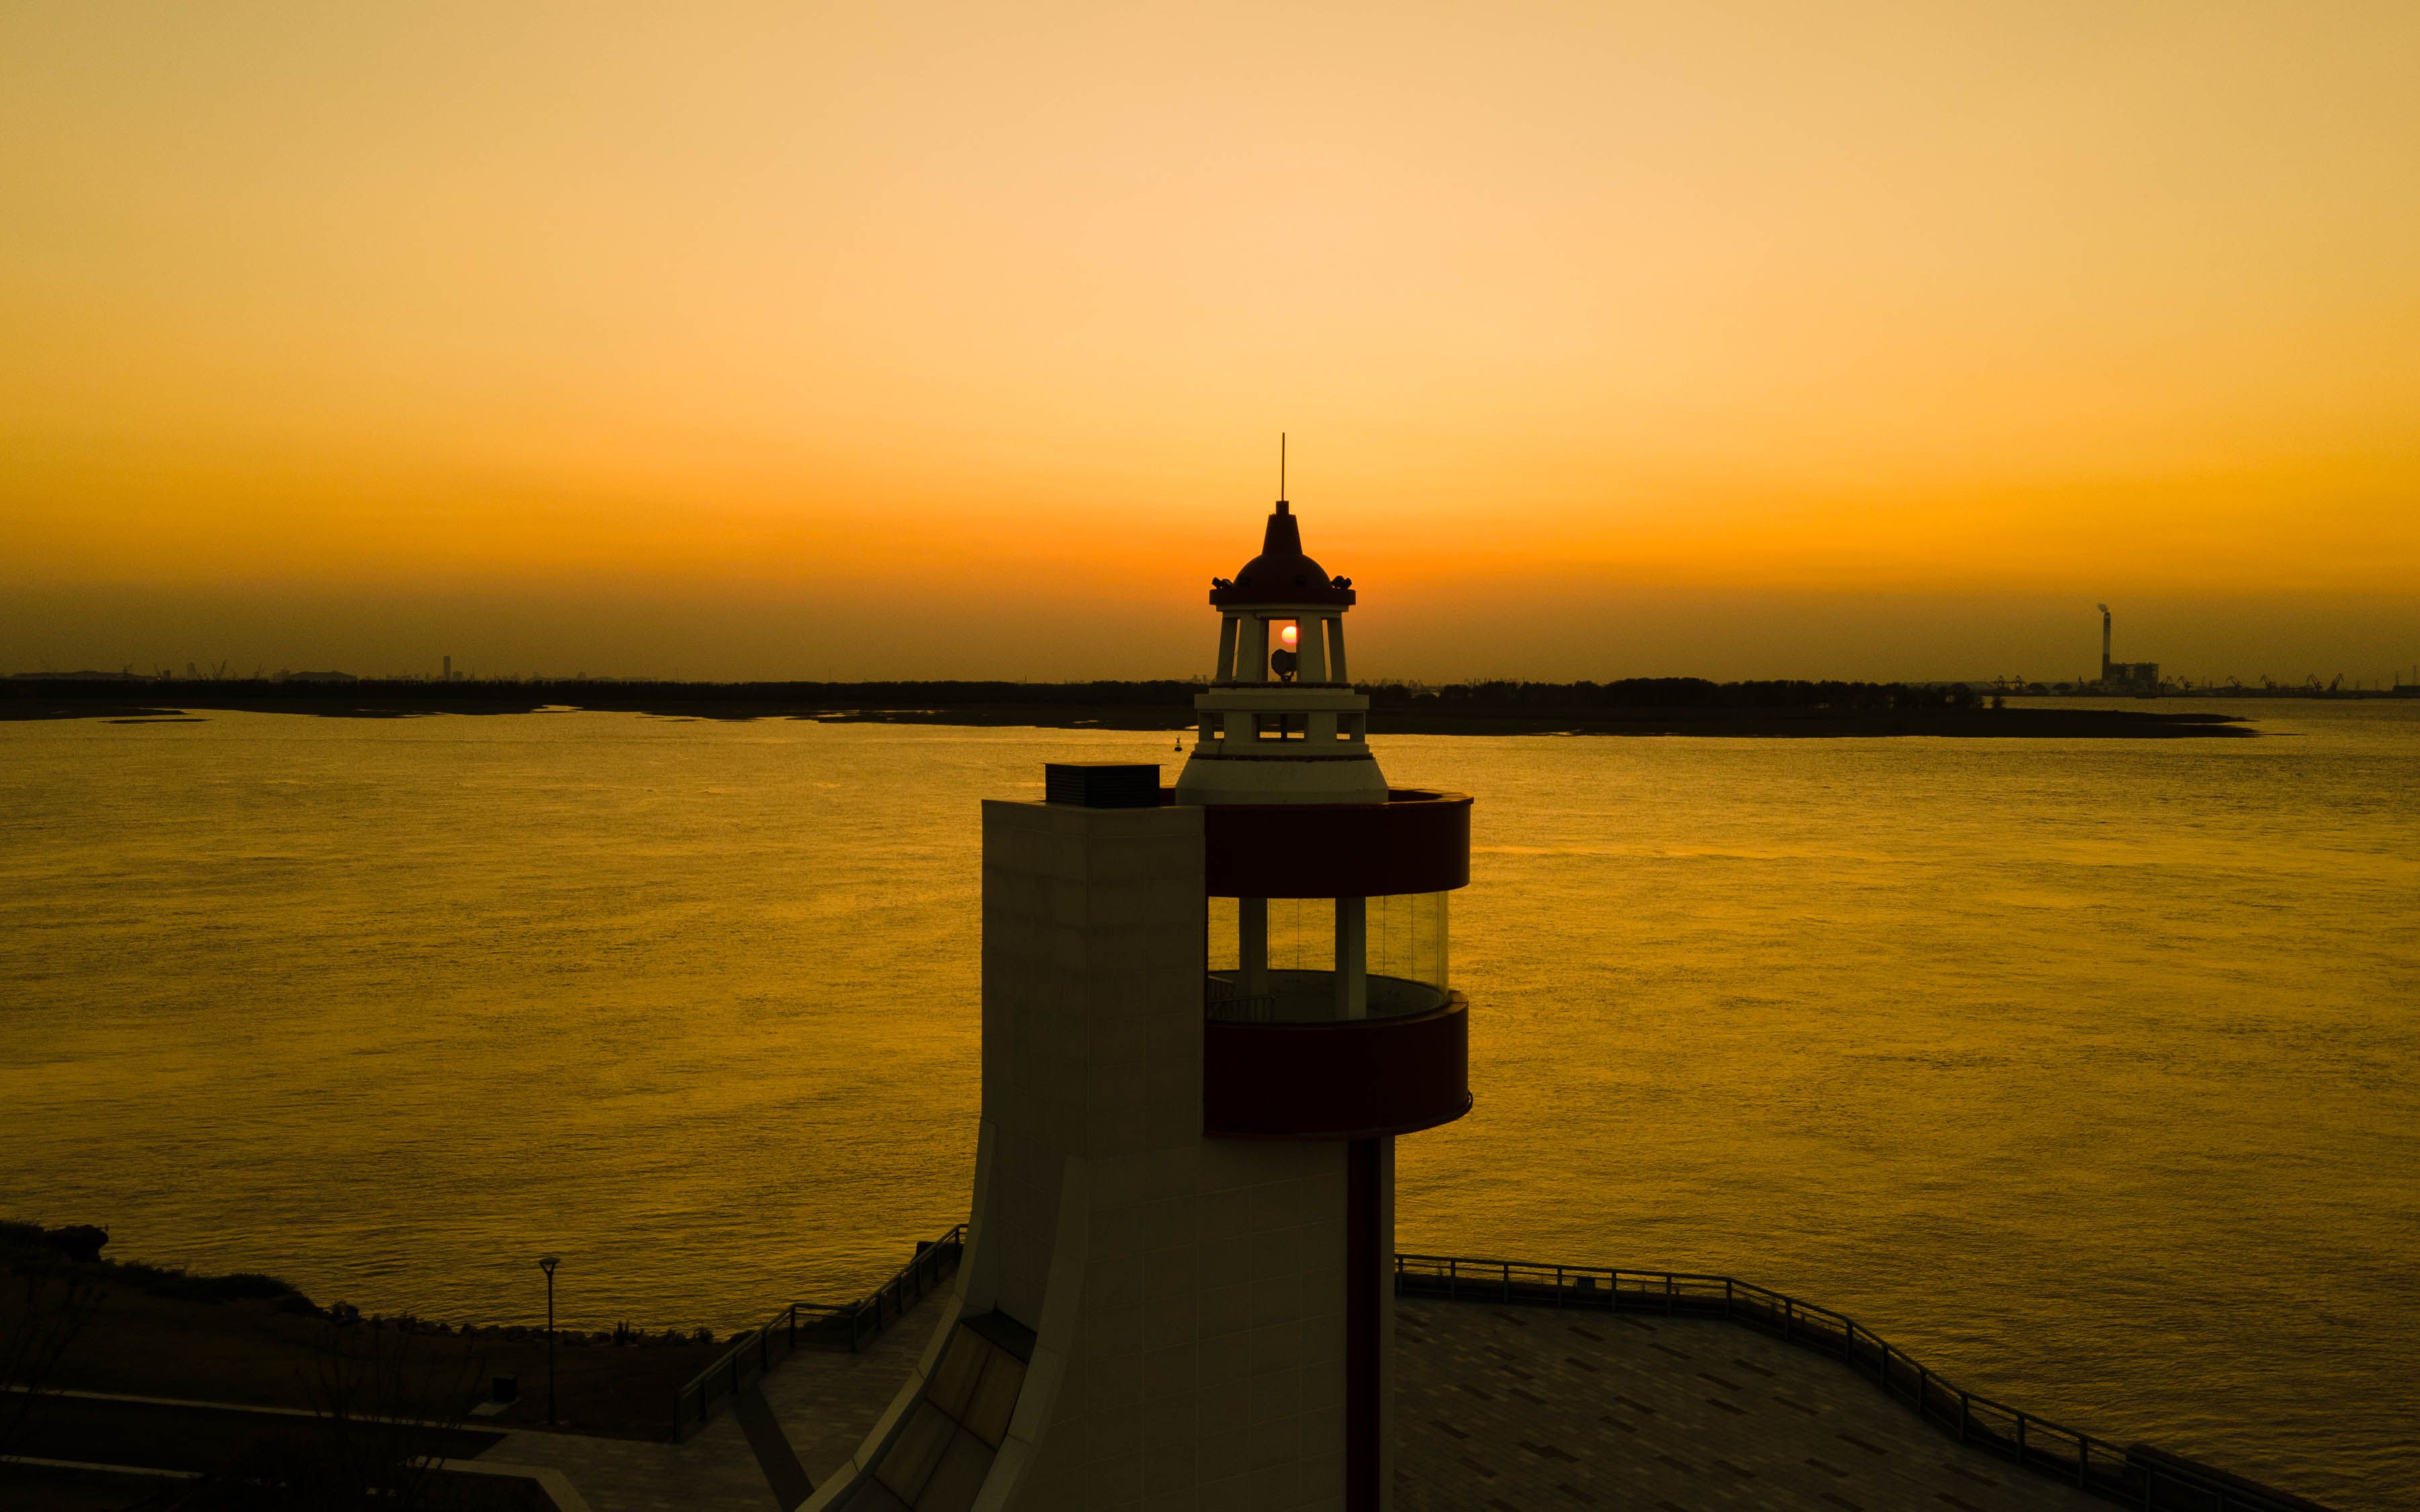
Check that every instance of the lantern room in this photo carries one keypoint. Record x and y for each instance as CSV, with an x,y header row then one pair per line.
x,y
1280,722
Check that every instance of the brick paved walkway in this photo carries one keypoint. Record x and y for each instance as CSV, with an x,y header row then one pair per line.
x,y
1529,1410
829,1407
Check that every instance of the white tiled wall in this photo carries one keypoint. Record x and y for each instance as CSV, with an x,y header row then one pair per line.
x,y
1202,1323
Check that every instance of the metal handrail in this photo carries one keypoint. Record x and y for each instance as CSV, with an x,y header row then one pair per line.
x,y
825,1325
2136,1475
1260,1008
1224,999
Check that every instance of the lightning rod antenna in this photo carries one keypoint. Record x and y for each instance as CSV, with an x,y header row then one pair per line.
x,y
1281,467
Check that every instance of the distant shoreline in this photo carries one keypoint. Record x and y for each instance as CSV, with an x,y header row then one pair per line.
x,y
1661,707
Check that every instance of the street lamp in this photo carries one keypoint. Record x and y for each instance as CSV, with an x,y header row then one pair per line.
x,y
547,1263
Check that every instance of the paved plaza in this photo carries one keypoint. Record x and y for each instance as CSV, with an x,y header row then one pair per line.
x,y
1531,1409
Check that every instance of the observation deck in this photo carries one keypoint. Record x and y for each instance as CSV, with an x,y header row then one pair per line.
x,y
1416,841
1294,1048
1283,1066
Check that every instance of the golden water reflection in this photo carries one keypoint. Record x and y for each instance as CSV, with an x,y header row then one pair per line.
x,y
2085,1070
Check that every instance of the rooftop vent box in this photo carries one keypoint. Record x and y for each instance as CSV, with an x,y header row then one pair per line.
x,y
1101,784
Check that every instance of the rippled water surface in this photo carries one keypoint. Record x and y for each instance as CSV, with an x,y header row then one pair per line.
x,y
2085,1070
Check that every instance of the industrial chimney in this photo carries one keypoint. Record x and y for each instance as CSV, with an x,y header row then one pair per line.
x,y
2104,643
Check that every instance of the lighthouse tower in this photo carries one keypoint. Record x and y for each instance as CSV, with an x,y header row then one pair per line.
x,y
1208,1012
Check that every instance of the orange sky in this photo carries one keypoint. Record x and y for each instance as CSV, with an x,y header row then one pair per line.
x,y
838,341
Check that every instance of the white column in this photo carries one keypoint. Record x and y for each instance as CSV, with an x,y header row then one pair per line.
x,y
1252,651
1336,646
1352,958
1226,672
1308,646
1252,945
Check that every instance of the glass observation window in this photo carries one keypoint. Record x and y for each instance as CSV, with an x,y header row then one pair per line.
x,y
1404,950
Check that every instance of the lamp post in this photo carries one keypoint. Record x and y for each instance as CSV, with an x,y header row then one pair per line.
x,y
547,1263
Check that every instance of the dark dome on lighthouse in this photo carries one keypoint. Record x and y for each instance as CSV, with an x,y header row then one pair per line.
x,y
1281,574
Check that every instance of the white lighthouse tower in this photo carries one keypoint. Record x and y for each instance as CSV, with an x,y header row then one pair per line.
x,y
1208,1012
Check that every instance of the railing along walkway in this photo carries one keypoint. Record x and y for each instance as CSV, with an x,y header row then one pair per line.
x,y
849,1326
2136,1475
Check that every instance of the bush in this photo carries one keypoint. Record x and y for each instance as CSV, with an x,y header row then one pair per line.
x,y
23,1243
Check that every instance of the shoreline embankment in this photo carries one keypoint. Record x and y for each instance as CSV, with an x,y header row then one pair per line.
x,y
1656,706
